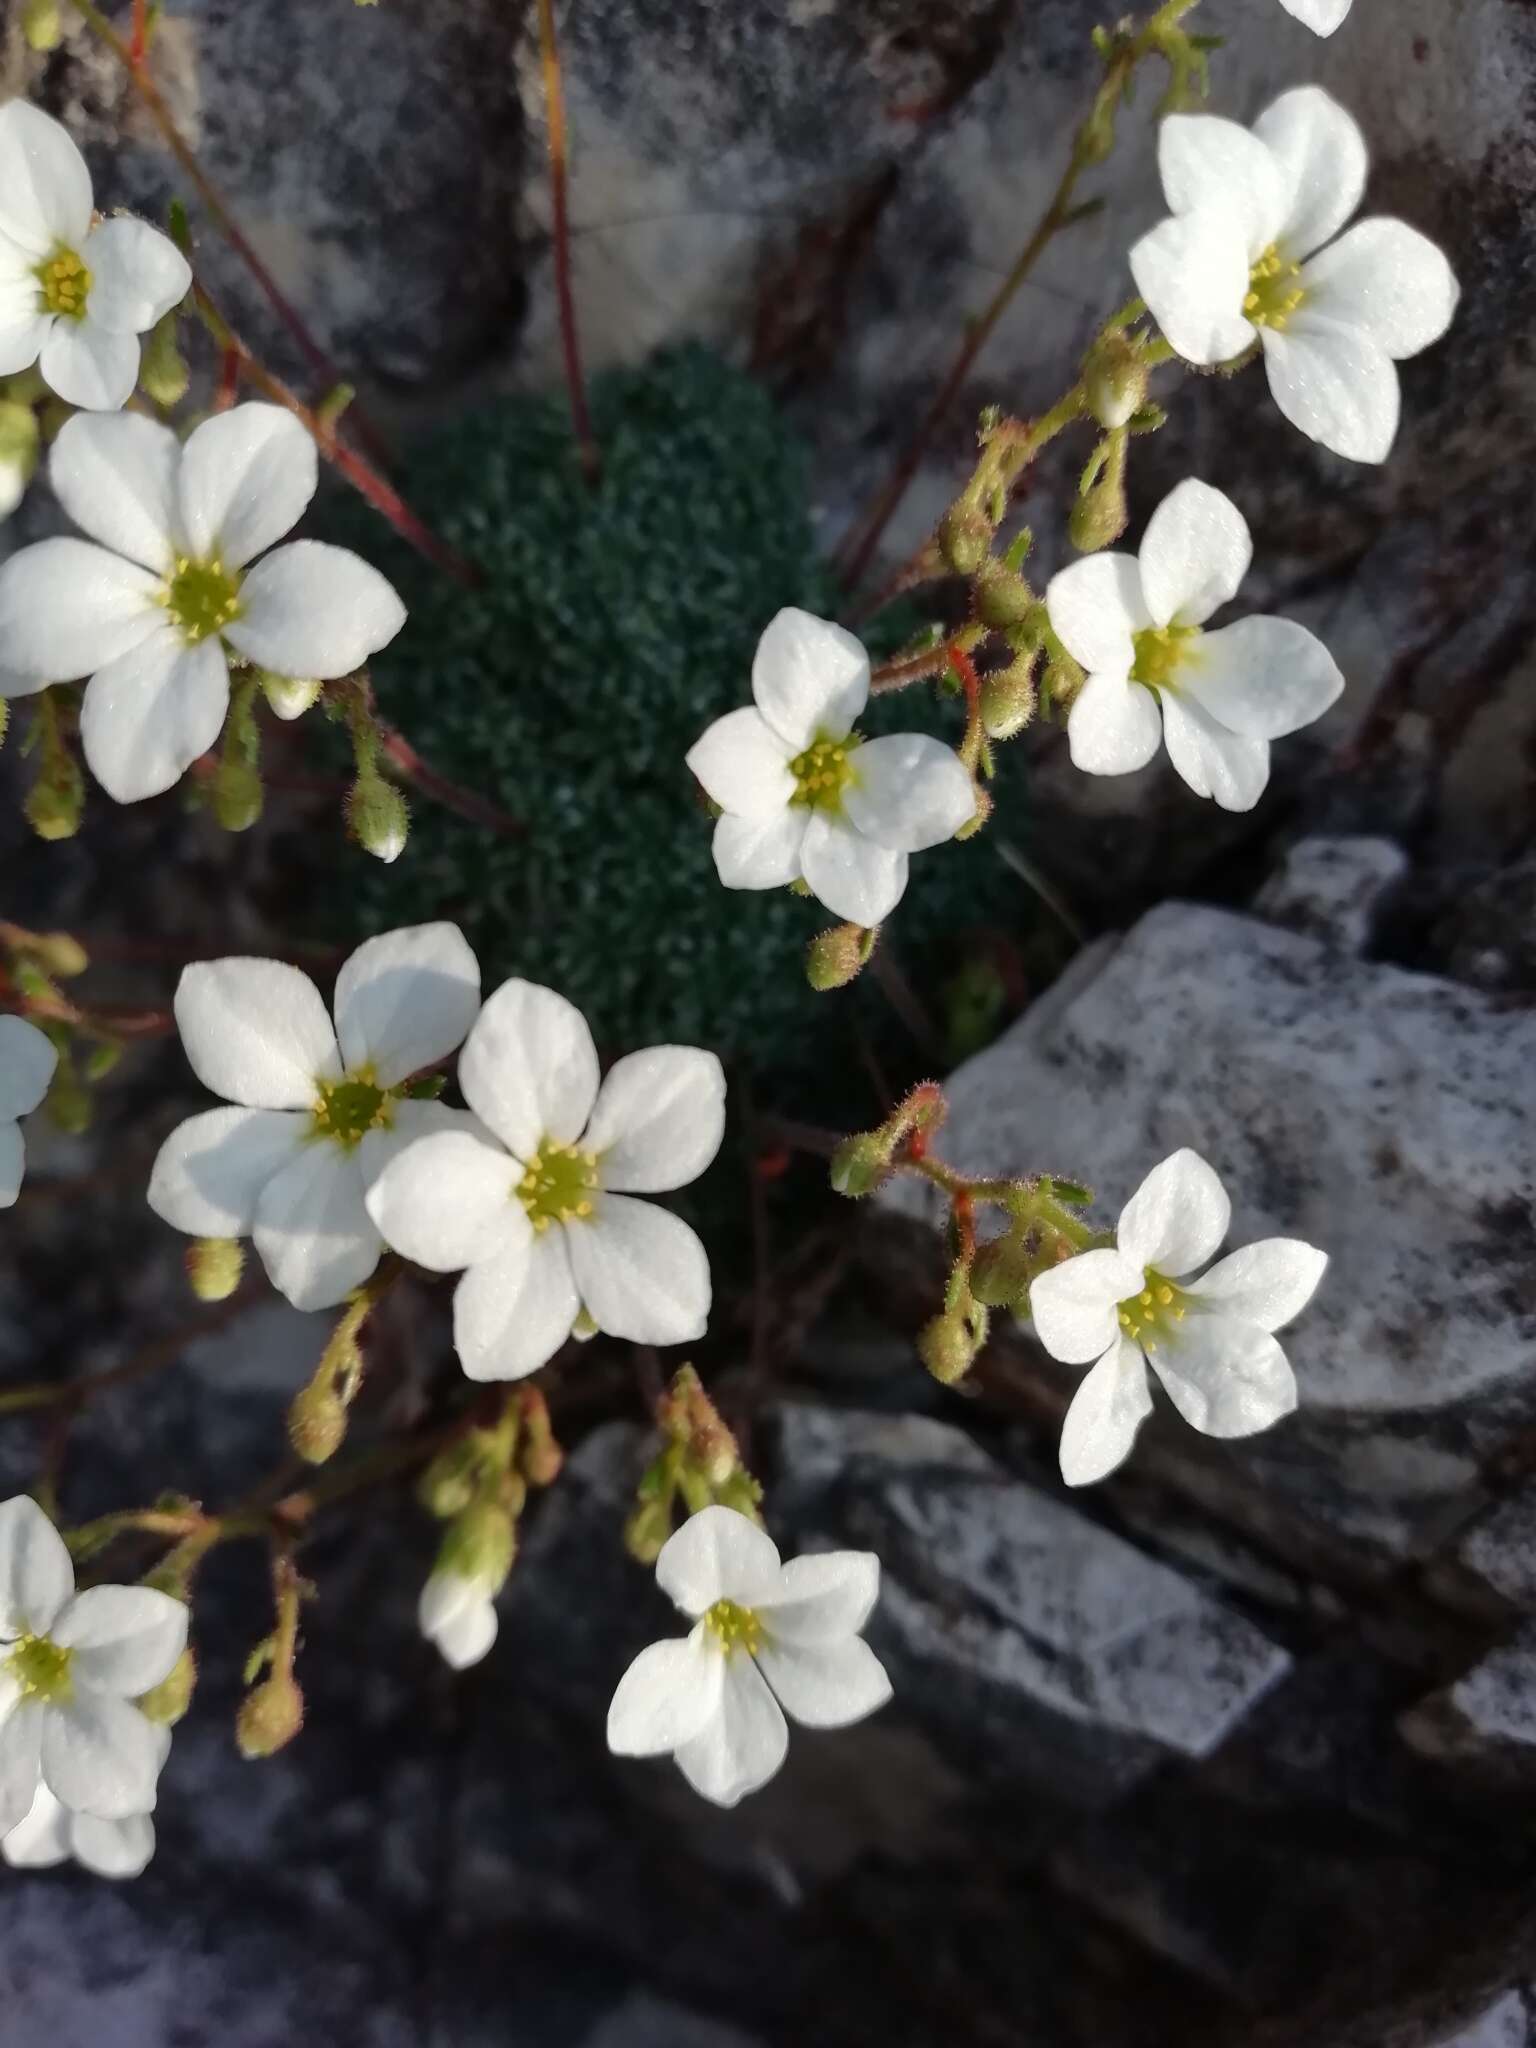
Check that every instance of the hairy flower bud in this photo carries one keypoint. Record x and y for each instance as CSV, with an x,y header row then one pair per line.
x,y
270,1716
1001,598
317,1421
648,1527
1002,1270
1008,698
965,539
237,794
860,1164
1114,380
169,1700
448,1485
163,372
1100,514
379,817
289,696
56,800
944,1345
480,1545
214,1266
837,956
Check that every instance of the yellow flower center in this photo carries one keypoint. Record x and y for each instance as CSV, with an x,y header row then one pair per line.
x,y
202,598
65,284
346,1110
734,1628
1161,652
557,1184
1274,292
1152,1316
823,772
41,1668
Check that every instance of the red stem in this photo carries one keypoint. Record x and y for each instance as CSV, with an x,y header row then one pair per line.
x,y
570,344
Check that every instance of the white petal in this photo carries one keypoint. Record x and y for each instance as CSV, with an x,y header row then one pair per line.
x,y
718,1555
512,1313
115,475
101,1756
851,875
1203,159
45,188
1267,1284
88,365
1263,678
1073,1305
409,1120
22,334
137,274
444,1597
13,1162
1321,16
1336,384
149,714
822,1598
1176,1218
1321,156
450,1201
126,1639
405,1000
209,1173
312,1230
1095,607
1226,1378
809,677
1388,280
908,792
529,1067
1114,726
825,1685
255,1032
744,765
666,1697
759,853
36,1575
465,1637
310,609
67,608
743,1745
640,1271
1106,1412
21,1737
1194,555
1213,761
42,1838
659,1119
27,1060
246,477
112,1848
1192,271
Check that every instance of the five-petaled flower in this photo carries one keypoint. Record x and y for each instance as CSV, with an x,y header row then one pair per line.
x,y
769,1639
538,1210
74,298
1243,261
1216,699
71,1666
804,798
50,1833
1209,1338
318,1112
27,1060
167,590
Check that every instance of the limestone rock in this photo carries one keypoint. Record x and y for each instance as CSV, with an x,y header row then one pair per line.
x,y
1332,889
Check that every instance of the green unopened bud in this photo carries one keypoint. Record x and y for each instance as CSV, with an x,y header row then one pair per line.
x,y
838,956
56,801
1002,1270
539,1454
449,1483
18,452
1114,380
860,1164
317,1420
69,1100
170,1699
1008,698
1001,598
944,1345
163,373
480,1545
214,1266
1100,514
237,794
965,538
648,1527
379,817
289,696
41,26
270,1716
743,1493
57,953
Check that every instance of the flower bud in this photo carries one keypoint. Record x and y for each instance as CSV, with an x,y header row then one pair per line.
x,y
169,1700
56,800
270,1716
237,794
378,816
480,1545
68,1100
836,957
539,1453
58,953
743,1493
1001,598
860,1164
163,372
214,1266
1114,380
944,1345
448,1485
1008,698
289,696
1100,514
965,538
648,1527
317,1420
1002,1270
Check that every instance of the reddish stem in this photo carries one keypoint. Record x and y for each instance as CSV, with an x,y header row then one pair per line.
x,y
452,796
229,380
570,344
138,47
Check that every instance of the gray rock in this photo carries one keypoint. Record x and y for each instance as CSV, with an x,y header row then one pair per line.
x,y
1332,889
645,2022
1501,1548
1490,1712
1506,2024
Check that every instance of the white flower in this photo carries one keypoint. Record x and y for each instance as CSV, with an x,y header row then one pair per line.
x,y
74,298
71,1666
154,614
1321,16
27,1061
1217,699
768,1636
1243,260
540,1215
457,1613
1207,1338
805,798
50,1834
319,1111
